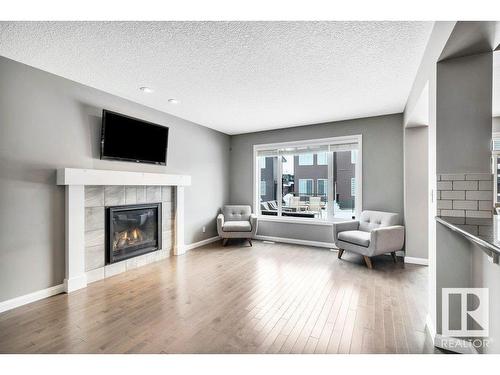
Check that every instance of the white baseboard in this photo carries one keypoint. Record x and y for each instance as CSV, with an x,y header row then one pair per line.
x,y
296,241
201,243
75,283
31,297
421,261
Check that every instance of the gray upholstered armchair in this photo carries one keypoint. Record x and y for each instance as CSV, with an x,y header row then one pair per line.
x,y
375,233
236,222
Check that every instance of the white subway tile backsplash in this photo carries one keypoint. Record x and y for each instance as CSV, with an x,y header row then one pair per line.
x,y
455,194
452,176
445,185
465,205
478,214
480,195
465,185
445,204
474,220
479,176
485,185
456,213
485,205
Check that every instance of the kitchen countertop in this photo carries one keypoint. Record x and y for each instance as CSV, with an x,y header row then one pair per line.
x,y
484,232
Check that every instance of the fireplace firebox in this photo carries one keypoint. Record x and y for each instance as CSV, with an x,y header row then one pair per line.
x,y
132,230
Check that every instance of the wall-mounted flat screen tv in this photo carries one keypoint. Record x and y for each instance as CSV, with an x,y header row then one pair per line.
x,y
130,139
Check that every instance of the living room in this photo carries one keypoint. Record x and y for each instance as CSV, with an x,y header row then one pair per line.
x,y
249,187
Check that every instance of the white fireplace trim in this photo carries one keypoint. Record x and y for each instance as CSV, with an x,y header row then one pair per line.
x,y
75,181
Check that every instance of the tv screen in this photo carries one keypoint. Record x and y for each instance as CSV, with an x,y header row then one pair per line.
x,y
130,139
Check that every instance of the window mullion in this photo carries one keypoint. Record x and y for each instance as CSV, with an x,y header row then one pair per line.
x,y
330,195
279,190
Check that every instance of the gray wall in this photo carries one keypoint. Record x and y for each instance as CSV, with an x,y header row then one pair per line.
x,y
470,268
464,129
416,192
49,122
464,98
426,75
382,167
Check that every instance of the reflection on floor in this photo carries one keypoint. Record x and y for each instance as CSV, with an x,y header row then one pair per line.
x,y
269,298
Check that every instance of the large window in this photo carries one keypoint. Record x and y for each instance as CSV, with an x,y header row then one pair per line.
x,y
305,186
317,179
322,188
306,159
322,158
263,189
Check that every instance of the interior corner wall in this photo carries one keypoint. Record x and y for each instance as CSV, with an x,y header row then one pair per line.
x,y
48,122
464,97
382,168
426,75
416,191
464,127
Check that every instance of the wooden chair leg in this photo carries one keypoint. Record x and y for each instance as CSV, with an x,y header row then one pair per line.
x,y
224,241
393,254
249,241
368,262
340,253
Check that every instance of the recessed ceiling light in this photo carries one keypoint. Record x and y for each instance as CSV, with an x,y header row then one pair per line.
x,y
145,89
173,101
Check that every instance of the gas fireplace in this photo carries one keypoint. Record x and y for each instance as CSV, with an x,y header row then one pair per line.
x,y
132,230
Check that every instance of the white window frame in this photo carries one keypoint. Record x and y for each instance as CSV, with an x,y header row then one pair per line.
x,y
312,186
326,157
353,183
263,185
354,156
358,138
262,162
311,154
325,188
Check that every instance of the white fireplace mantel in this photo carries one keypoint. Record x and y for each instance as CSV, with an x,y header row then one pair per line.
x,y
73,176
75,181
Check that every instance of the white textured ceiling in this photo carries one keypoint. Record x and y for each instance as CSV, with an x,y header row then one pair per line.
x,y
235,77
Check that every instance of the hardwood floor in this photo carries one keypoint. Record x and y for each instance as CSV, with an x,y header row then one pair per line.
x,y
269,298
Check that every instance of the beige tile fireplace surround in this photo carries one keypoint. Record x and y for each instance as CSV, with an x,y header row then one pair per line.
x,y
89,191
99,197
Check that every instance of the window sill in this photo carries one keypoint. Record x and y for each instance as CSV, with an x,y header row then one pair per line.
x,y
299,221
